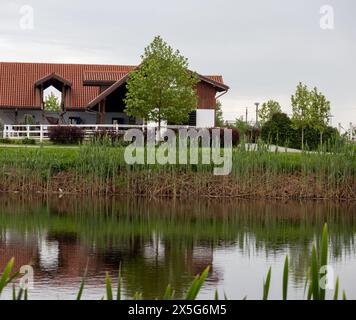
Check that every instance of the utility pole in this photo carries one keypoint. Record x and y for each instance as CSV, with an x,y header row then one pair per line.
x,y
257,104
246,115
351,132
330,119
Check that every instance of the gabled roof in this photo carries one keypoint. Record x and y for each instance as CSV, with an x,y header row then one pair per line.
x,y
215,81
18,82
53,77
108,91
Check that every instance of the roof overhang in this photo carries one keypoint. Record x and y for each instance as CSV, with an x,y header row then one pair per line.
x,y
53,77
220,87
107,92
102,78
16,108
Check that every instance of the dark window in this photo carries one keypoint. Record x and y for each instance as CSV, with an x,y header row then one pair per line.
x,y
75,120
118,121
192,119
132,120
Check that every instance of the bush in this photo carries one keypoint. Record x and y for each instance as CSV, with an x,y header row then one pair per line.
x,y
28,141
113,138
108,137
253,134
6,141
235,136
312,137
279,131
66,135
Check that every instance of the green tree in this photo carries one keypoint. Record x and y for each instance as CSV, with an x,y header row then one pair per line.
x,y
301,101
162,88
29,119
279,130
52,103
219,118
312,137
319,112
242,126
268,109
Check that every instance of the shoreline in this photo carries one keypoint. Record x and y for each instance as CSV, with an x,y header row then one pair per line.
x,y
185,186
101,170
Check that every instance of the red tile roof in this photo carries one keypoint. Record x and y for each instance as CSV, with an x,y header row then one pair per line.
x,y
51,77
103,76
17,81
218,79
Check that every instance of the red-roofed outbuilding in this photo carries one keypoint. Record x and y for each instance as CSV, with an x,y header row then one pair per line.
x,y
84,89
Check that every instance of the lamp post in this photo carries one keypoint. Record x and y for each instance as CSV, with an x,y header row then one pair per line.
x,y
257,104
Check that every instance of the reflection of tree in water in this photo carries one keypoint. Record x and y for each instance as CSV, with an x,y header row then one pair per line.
x,y
172,261
169,242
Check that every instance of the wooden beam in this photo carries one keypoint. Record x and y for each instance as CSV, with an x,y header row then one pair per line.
x,y
41,98
101,113
63,103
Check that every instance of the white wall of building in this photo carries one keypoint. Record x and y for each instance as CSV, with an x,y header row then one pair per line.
x,y
205,118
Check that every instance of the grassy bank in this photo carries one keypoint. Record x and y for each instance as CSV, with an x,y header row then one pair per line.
x,y
95,169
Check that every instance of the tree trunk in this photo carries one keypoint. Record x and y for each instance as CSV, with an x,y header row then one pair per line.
x,y
159,127
321,139
303,138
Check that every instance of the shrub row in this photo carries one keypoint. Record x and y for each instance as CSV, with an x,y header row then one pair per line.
x,y
75,135
66,135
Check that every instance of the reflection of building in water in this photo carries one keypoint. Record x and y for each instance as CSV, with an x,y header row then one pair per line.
x,y
161,243
48,253
16,244
149,263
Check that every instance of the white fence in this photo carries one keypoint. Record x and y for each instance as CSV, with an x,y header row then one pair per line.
x,y
40,132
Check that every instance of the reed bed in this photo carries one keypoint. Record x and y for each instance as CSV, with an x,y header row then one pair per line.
x,y
100,169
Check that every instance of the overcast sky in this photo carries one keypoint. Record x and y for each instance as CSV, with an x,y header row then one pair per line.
x,y
263,48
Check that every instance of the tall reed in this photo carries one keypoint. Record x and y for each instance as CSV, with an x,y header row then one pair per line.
x,y
101,169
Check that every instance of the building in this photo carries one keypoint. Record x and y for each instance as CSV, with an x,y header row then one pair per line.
x,y
90,94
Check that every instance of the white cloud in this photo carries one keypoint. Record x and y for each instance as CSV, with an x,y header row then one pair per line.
x,y
263,48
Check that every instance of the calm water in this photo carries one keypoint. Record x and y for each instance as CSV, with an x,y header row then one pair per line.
x,y
161,242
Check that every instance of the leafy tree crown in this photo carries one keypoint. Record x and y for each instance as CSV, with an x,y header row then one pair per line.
x,y
162,88
52,103
268,109
219,117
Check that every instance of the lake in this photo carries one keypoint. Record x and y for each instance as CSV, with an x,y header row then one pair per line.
x,y
170,241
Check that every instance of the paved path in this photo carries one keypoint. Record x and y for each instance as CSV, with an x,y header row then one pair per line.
x,y
272,148
15,146
250,147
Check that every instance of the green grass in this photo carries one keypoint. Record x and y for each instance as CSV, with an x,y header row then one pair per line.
x,y
70,154
102,169
88,155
